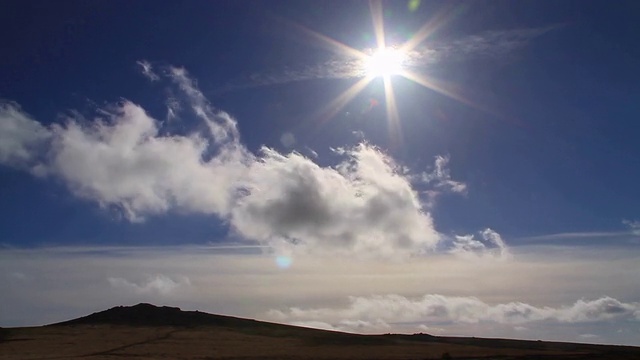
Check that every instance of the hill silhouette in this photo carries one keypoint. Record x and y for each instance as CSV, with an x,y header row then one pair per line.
x,y
145,314
146,331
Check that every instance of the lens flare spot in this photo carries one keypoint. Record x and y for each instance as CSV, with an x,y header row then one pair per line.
x,y
283,262
413,5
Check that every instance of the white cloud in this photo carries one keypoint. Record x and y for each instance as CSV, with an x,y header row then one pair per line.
x,y
634,226
56,291
21,137
440,180
357,326
491,244
353,326
363,206
147,70
599,309
440,177
311,153
467,244
222,126
494,238
314,325
358,134
496,44
558,237
173,108
123,162
155,285
440,309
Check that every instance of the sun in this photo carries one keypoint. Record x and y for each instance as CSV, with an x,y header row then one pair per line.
x,y
384,61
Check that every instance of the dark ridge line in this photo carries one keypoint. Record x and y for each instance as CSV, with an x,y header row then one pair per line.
x,y
149,315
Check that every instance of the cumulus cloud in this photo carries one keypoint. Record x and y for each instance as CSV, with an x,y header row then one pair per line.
x,y
21,137
120,160
440,309
494,238
123,162
155,285
364,205
489,244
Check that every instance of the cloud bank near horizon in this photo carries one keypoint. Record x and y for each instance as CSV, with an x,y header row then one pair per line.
x,y
475,297
372,312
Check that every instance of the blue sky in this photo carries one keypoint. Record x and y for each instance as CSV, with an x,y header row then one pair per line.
x,y
133,131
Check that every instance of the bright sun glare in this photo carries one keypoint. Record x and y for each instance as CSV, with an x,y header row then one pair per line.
x,y
384,62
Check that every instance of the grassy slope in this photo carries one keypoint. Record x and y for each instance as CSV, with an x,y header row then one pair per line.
x,y
148,332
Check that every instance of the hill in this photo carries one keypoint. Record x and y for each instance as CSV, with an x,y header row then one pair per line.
x,y
145,331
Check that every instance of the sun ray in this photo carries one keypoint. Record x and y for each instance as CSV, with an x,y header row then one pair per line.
x,y
430,28
393,119
442,88
383,62
324,41
337,104
378,22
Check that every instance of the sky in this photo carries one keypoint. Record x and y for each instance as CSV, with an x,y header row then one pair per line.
x,y
448,167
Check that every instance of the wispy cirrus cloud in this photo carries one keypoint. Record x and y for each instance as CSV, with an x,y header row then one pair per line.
x,y
620,238
173,107
494,44
147,70
634,226
440,180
